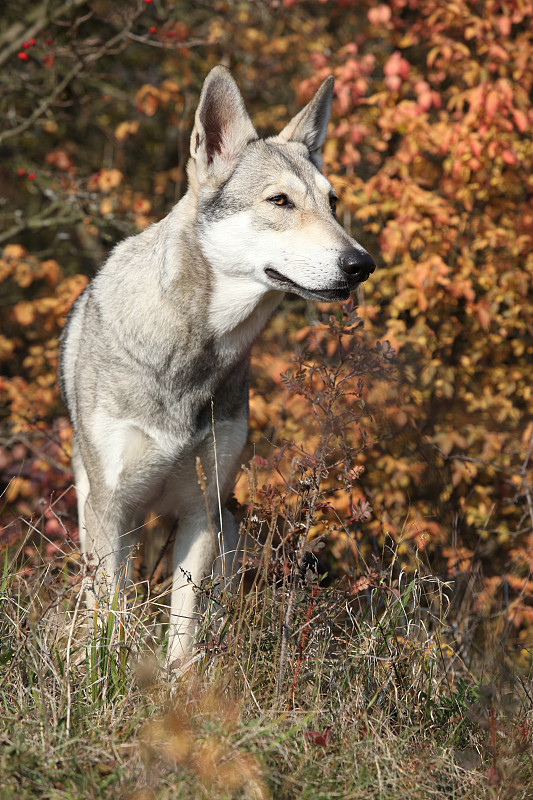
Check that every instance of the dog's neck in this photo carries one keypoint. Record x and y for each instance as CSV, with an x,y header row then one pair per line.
x,y
239,312
236,311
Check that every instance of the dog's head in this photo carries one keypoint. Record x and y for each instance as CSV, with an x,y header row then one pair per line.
x,y
265,213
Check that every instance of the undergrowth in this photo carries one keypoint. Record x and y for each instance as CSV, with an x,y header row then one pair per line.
x,y
304,683
352,690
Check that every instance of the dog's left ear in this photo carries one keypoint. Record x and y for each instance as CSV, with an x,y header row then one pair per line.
x,y
222,126
310,125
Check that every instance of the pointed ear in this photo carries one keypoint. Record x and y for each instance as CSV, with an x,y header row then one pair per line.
x,y
222,127
309,126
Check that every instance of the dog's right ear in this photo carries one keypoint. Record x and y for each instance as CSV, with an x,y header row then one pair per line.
x,y
222,126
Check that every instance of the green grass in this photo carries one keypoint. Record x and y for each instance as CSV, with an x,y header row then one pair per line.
x,y
303,691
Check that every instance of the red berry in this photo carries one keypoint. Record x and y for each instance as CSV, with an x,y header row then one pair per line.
x,y
32,41
22,55
21,171
148,1
25,45
31,176
152,29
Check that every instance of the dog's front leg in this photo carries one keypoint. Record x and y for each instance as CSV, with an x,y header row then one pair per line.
x,y
106,531
108,543
203,548
194,554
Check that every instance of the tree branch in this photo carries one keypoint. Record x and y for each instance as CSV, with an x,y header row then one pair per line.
x,y
18,33
74,72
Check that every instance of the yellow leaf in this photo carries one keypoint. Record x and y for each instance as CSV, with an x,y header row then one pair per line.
x,y
125,129
15,251
148,99
109,179
106,206
24,313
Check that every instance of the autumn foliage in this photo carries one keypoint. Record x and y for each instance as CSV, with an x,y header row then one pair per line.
x,y
430,150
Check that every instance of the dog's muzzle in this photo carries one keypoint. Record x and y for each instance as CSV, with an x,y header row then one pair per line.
x,y
357,265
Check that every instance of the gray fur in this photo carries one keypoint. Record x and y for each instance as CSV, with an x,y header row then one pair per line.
x,y
160,340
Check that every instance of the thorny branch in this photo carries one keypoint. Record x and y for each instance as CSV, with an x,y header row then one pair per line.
x,y
13,38
83,62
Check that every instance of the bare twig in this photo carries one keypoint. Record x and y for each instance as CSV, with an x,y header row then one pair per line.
x,y
36,223
91,58
44,106
14,37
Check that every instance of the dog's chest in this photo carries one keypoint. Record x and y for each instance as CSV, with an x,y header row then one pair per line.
x,y
163,423
177,410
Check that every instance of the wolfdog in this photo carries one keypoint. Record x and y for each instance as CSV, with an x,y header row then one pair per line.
x,y
155,353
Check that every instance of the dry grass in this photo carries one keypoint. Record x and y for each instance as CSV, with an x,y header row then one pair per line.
x,y
304,690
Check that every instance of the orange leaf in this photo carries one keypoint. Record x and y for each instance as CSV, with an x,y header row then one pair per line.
x,y
106,206
148,99
24,313
125,129
492,103
14,251
484,315
109,179
520,119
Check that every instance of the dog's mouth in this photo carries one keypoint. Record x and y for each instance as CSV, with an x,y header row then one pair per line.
x,y
339,292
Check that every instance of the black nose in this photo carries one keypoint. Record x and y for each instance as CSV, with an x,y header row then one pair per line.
x,y
357,264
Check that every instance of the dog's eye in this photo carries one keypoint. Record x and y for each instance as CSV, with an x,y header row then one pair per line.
x,y
280,200
333,204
